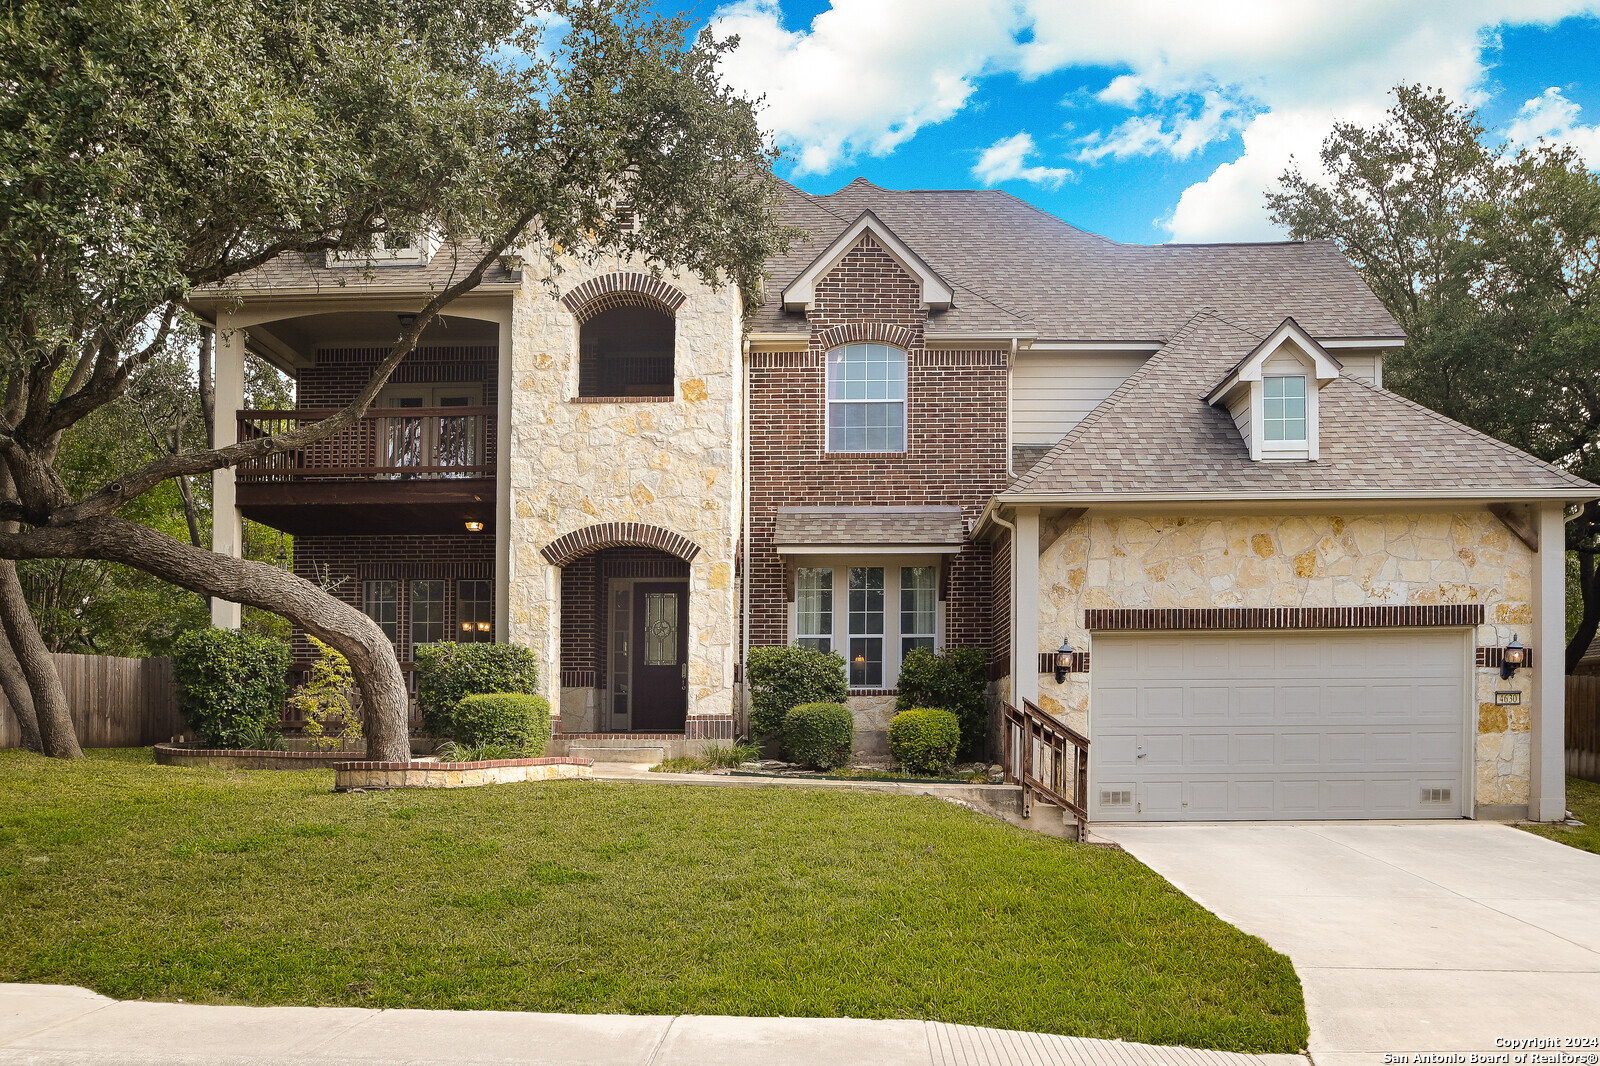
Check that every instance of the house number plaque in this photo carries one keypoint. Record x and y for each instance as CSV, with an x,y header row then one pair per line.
x,y
1508,699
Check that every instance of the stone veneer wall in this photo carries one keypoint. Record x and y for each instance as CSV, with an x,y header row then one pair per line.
x,y
675,465
1106,561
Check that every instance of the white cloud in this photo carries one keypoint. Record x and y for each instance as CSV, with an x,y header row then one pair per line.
x,y
868,74
1180,137
1006,159
1552,117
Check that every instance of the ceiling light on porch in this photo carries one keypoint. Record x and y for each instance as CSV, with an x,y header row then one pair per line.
x,y
474,527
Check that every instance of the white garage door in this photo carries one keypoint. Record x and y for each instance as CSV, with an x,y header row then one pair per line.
x,y
1278,725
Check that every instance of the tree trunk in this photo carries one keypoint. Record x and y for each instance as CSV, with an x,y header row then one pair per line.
x,y
1589,586
56,734
15,685
334,622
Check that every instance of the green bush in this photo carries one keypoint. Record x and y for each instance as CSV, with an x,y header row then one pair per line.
x,y
781,678
448,672
231,686
819,735
954,680
924,740
515,719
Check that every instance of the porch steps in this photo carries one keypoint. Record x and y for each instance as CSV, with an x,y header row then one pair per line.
x,y
647,749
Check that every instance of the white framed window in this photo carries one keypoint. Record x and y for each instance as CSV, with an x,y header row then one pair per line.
x,y
918,608
866,399
871,610
813,607
1283,407
381,602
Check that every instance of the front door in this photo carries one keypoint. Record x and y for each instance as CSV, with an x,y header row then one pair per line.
x,y
661,650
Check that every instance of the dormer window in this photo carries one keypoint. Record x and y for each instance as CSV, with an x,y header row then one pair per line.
x,y
1283,407
1271,395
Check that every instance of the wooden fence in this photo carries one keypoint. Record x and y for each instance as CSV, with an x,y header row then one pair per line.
x,y
116,703
1583,726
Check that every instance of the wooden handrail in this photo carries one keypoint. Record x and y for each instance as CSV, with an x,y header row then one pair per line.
x,y
1036,756
385,443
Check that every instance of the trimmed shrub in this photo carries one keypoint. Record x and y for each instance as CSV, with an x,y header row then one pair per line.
x,y
448,672
231,686
819,735
924,740
954,680
781,678
514,719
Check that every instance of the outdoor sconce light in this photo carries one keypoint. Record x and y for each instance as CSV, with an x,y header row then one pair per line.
x,y
1513,658
474,527
1063,660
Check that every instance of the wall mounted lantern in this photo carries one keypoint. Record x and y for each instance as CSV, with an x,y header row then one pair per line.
x,y
407,319
1063,660
1512,658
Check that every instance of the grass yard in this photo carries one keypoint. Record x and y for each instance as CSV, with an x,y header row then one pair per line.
x,y
260,887
1583,800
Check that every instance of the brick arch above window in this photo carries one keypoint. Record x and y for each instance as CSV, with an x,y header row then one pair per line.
x,y
622,289
864,333
589,539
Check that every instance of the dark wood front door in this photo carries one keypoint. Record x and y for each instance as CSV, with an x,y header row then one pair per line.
x,y
661,656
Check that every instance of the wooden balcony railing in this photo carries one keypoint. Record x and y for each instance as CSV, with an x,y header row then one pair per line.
x,y
1046,756
386,443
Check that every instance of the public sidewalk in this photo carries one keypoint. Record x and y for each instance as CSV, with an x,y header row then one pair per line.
x,y
57,1025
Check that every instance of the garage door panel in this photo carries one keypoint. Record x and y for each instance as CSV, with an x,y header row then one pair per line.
x,y
1300,725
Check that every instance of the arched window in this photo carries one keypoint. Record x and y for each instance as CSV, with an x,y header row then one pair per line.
x,y
626,351
866,399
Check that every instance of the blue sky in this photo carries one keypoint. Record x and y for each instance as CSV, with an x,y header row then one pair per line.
x,y
1145,120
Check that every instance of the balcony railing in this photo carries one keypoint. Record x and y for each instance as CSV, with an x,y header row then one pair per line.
x,y
384,444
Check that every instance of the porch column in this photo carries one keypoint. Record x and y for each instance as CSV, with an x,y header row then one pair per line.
x,y
1547,785
504,562
1025,594
227,529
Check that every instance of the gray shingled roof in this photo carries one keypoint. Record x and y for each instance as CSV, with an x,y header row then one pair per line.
x,y
298,271
1016,268
861,527
1156,434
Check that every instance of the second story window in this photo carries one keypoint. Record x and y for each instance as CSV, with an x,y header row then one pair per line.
x,y
626,351
866,399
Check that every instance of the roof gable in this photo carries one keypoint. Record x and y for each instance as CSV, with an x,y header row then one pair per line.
x,y
936,292
1326,367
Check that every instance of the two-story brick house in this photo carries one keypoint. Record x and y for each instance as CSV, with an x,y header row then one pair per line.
x,y
955,421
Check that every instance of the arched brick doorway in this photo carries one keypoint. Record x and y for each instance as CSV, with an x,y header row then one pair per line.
x,y
624,628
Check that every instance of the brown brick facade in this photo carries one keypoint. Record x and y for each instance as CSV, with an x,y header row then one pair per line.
x,y
344,563
585,590
955,440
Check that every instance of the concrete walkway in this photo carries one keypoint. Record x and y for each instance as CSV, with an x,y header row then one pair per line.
x,y
56,1025
1410,937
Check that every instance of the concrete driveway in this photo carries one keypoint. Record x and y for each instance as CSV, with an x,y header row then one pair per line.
x,y
1408,938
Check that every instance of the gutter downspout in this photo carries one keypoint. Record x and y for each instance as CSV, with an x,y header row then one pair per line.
x,y
1011,373
1011,595
743,545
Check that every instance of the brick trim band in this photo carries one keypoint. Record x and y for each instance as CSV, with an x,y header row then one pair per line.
x,y
580,542
1176,618
622,289
1495,656
865,332
1079,662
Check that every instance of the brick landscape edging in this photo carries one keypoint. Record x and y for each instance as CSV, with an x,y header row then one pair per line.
x,y
248,758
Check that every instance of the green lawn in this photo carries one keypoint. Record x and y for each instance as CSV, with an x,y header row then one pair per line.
x,y
261,887
1583,800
